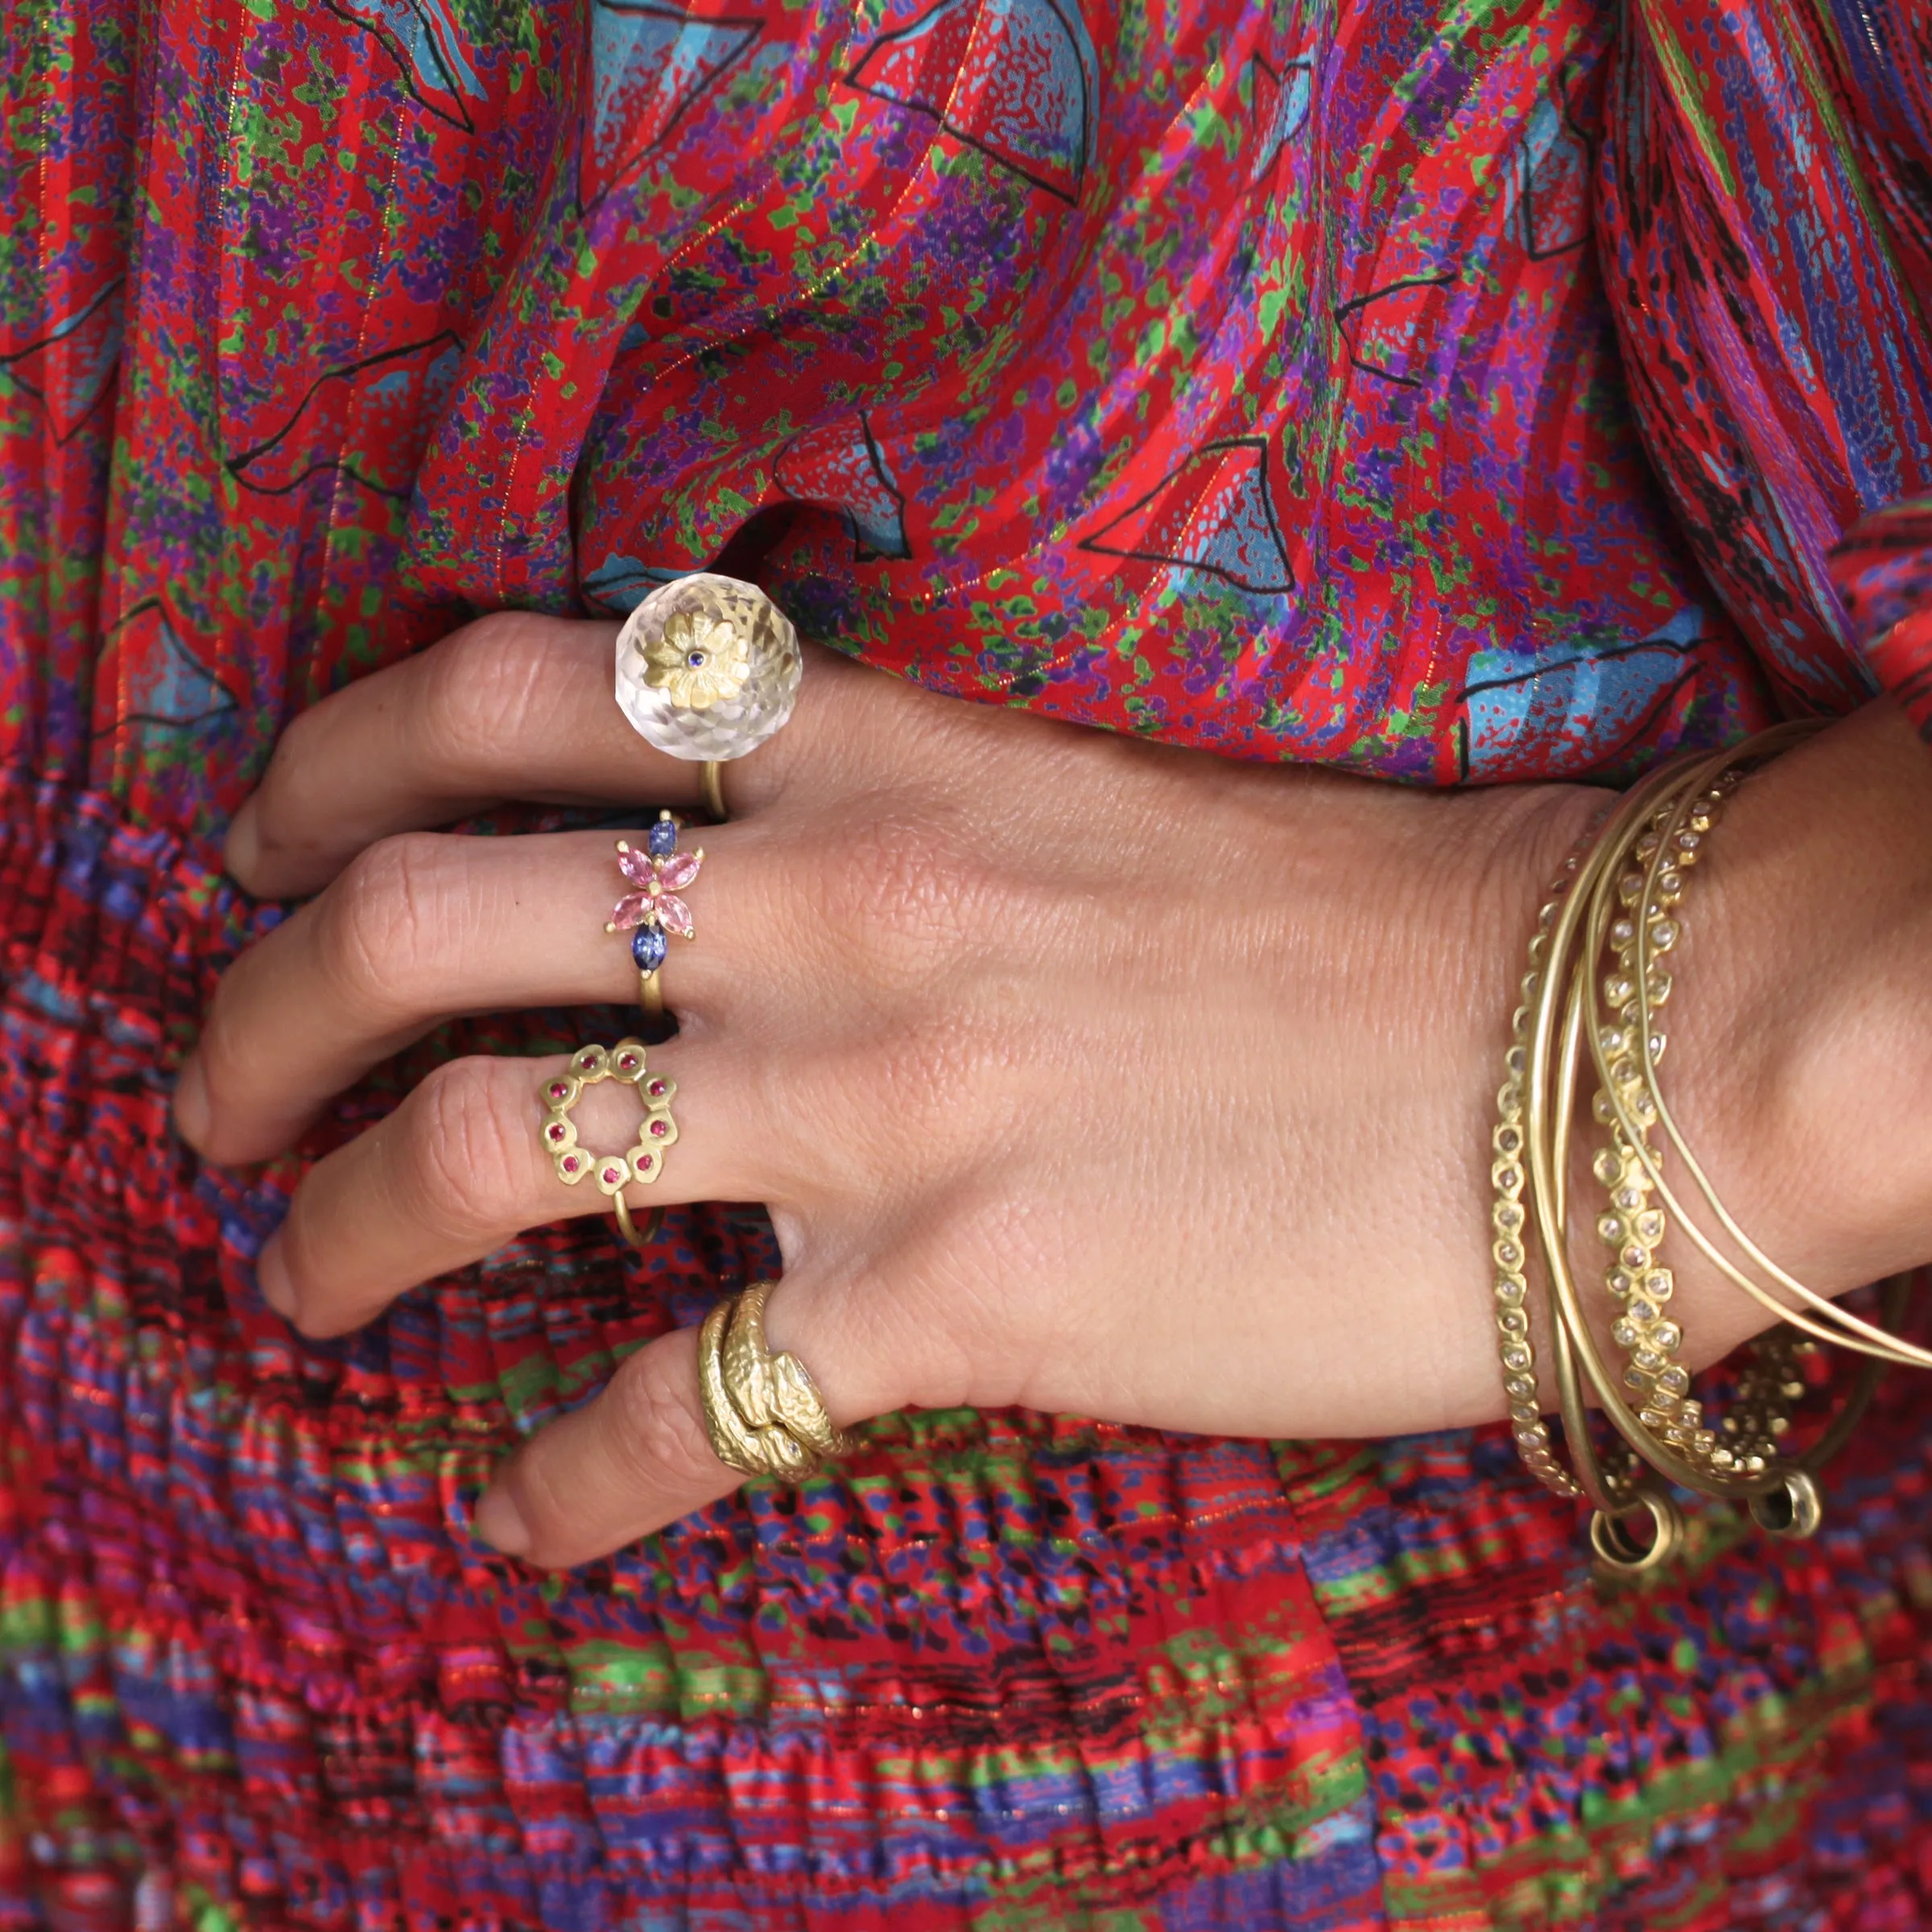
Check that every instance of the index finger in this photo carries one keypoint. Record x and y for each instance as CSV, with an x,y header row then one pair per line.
x,y
514,706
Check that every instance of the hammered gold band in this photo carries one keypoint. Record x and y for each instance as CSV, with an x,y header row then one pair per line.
x,y
762,1412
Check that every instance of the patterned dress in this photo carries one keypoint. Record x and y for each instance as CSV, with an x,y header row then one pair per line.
x,y
1447,389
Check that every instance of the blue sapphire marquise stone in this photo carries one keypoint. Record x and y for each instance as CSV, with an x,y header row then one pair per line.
x,y
663,838
648,947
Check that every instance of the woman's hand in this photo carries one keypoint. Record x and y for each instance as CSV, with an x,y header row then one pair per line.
x,y
1078,1073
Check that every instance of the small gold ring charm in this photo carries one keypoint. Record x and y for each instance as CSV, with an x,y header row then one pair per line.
x,y
642,1162
1620,1553
762,1412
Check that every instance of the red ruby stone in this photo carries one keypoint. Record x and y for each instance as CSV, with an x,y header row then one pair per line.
x,y
657,1087
649,1161
658,1129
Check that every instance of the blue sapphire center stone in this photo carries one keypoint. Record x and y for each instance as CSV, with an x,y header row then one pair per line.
x,y
648,947
663,838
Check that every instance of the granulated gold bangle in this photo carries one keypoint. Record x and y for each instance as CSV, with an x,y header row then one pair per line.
x,y
1620,913
1509,1225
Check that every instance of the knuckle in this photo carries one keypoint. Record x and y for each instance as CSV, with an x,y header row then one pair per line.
x,y
951,1083
465,1155
388,917
479,687
932,1088
912,894
657,1421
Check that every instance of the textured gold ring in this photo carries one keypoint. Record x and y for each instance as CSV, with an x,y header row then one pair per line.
x,y
763,1412
642,1161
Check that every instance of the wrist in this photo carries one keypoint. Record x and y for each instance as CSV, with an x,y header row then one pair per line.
x,y
1797,1061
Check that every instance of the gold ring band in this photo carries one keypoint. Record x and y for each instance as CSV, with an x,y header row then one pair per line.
x,y
711,789
763,1412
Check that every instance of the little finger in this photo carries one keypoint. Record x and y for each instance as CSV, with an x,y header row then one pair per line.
x,y
640,1455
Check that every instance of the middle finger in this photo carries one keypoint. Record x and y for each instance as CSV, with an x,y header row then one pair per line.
x,y
425,927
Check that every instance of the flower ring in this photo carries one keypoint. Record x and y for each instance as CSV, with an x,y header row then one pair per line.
x,y
659,874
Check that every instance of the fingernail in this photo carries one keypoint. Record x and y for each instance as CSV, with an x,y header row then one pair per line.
x,y
244,844
272,1276
501,1524
192,1115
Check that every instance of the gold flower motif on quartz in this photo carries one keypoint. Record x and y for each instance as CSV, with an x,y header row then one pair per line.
x,y
698,661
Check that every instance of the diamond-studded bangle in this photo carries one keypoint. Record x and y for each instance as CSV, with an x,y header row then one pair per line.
x,y
1633,1225
1593,1000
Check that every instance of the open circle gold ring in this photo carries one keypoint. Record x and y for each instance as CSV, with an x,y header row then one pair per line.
x,y
643,1161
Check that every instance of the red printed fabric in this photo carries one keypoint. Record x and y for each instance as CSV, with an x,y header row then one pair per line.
x,y
1449,394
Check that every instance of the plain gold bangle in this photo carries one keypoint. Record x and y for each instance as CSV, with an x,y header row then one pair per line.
x,y
1621,906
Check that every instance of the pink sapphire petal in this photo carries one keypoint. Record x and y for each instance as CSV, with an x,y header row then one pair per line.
x,y
636,866
674,915
679,870
631,910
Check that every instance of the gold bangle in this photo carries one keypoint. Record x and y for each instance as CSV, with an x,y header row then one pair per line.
x,y
1619,906
1614,1495
1816,1315
1509,1222
1549,1109
1632,1226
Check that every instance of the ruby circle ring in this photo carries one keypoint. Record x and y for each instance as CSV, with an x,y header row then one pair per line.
x,y
643,1161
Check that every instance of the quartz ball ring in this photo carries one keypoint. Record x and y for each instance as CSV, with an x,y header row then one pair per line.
x,y
708,668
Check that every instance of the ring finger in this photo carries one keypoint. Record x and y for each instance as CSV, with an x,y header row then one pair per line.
x,y
460,1168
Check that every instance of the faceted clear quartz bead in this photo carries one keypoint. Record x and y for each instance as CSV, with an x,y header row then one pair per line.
x,y
707,667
